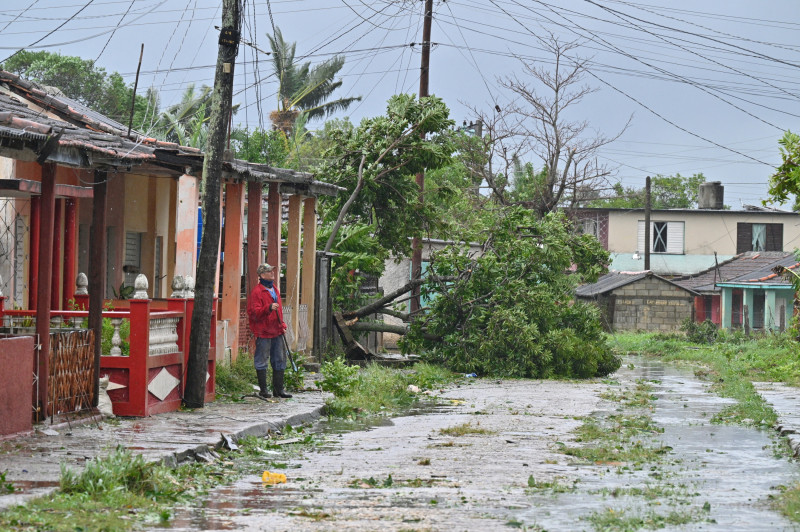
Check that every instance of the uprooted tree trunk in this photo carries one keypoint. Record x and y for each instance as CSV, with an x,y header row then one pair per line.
x,y
348,322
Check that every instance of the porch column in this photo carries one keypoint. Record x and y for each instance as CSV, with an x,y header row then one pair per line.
x,y
747,302
97,267
45,271
55,290
274,219
186,226
254,256
70,238
308,295
292,296
771,318
33,272
726,307
232,267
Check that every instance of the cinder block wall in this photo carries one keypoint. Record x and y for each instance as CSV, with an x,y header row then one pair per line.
x,y
651,305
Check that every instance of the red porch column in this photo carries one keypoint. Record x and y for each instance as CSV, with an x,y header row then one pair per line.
x,y
33,272
274,219
232,267
55,290
139,354
254,256
70,238
45,272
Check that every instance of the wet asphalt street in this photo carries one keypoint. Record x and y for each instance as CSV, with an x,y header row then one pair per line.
x,y
505,470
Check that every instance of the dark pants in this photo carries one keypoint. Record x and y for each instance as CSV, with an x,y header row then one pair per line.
x,y
272,348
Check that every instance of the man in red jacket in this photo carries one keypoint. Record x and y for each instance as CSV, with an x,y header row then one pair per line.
x,y
265,312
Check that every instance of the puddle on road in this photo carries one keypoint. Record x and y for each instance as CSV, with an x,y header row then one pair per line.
x,y
719,475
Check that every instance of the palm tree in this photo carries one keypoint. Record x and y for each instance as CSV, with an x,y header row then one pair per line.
x,y
185,122
303,88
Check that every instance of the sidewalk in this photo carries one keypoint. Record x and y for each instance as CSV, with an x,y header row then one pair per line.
x,y
32,462
785,400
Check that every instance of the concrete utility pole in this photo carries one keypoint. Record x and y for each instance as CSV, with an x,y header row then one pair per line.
x,y
194,395
416,243
647,201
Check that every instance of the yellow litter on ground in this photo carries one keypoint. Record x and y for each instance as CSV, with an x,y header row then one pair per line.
x,y
273,478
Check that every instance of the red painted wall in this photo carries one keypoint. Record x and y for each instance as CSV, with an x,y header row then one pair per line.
x,y
16,384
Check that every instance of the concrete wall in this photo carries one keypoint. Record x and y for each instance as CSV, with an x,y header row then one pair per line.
x,y
650,305
704,232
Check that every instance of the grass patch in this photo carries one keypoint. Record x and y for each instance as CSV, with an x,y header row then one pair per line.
x,y
114,493
611,519
375,389
620,439
732,363
557,485
788,502
465,429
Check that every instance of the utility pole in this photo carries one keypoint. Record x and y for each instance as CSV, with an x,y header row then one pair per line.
x,y
197,367
647,201
416,243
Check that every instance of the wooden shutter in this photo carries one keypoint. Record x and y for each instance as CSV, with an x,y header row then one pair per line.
x,y
675,237
640,238
744,237
774,237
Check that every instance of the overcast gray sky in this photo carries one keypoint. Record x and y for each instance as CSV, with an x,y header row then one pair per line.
x,y
711,85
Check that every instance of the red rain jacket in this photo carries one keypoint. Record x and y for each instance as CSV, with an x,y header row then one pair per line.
x,y
264,322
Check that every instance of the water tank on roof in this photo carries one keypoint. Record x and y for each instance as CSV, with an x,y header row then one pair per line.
x,y
711,195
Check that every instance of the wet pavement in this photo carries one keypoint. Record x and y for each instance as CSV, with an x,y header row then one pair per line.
x,y
33,463
410,473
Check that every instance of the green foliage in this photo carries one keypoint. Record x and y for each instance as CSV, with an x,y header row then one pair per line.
x,y
666,192
125,292
376,163
706,332
5,486
295,380
786,179
358,253
338,377
511,311
260,146
237,379
303,87
121,470
108,334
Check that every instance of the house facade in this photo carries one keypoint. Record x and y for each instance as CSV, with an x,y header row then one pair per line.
x,y
688,241
80,193
745,291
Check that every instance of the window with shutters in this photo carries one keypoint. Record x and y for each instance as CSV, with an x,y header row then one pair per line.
x,y
133,256
665,237
659,237
758,237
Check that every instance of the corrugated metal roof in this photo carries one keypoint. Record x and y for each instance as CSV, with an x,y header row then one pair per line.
x,y
750,267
